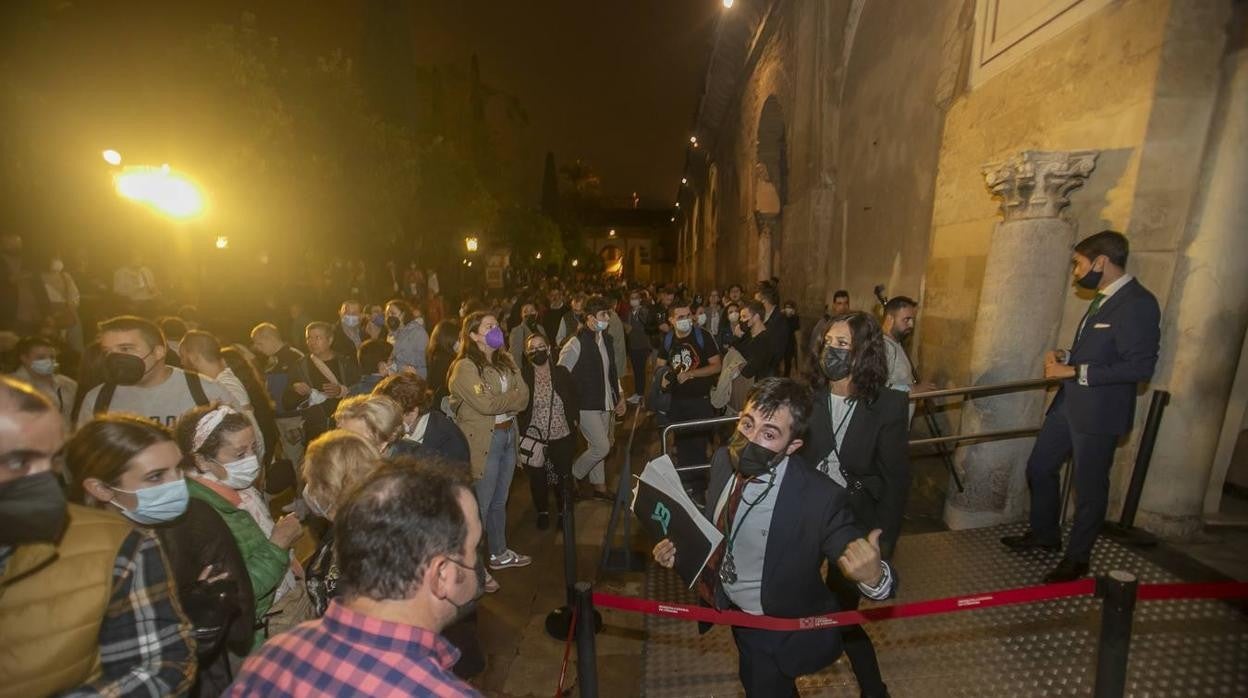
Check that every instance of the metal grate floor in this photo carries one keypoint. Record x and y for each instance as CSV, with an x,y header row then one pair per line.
x,y
1179,648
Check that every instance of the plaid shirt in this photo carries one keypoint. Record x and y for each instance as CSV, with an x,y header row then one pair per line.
x,y
350,654
146,647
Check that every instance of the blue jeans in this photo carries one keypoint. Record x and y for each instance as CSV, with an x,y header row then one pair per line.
x,y
492,488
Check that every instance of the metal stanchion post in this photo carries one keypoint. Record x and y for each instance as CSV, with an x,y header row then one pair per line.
x,y
559,620
1117,592
1125,531
586,654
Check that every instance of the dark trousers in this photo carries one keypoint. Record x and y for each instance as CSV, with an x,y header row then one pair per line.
x,y
638,358
560,454
854,640
1093,457
691,443
758,665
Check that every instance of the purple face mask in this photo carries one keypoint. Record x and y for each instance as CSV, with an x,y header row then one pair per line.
x,y
494,338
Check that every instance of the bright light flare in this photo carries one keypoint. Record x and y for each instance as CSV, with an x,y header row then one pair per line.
x,y
538,256
112,157
576,262
471,243
222,242
727,4
611,234
162,190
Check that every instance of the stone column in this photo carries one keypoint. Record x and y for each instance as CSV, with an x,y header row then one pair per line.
x,y
1203,326
1020,308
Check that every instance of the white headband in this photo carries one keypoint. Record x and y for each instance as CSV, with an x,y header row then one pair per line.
x,y
209,424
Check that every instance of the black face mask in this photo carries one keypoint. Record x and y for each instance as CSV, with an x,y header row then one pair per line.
x,y
531,321
393,323
124,369
750,459
465,609
32,510
539,357
1091,280
834,362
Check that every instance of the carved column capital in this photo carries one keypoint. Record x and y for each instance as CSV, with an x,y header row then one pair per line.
x,y
1037,184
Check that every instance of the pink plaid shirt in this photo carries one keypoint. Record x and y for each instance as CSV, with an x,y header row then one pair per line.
x,y
349,654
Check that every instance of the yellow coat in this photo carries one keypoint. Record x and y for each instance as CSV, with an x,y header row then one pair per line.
x,y
52,598
477,396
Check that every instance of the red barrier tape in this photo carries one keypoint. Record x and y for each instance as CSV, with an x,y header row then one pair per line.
x,y
1216,590
1005,597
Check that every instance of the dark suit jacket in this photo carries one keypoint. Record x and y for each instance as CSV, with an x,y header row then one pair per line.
x,y
875,454
1119,344
442,438
811,523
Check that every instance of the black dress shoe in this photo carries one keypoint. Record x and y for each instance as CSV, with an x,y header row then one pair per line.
x,y
1027,541
1067,570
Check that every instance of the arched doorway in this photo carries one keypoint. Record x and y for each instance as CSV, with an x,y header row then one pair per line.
x,y
612,260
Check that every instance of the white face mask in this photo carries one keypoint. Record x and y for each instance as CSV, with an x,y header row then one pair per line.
x,y
44,367
240,474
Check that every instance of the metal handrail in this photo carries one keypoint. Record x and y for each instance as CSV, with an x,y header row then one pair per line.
x,y
983,435
990,388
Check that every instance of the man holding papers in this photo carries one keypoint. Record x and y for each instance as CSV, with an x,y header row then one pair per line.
x,y
780,519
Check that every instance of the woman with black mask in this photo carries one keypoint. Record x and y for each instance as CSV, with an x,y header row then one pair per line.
x,y
550,419
858,438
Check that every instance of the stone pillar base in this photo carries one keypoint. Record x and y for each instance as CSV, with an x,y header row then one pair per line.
x,y
959,519
1169,527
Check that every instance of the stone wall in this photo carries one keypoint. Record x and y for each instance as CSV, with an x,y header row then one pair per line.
x,y
891,110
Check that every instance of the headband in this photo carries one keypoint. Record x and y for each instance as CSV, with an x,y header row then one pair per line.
x,y
209,424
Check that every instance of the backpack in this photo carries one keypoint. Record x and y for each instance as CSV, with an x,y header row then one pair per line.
x,y
670,337
194,383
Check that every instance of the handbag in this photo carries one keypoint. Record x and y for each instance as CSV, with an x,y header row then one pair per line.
x,y
531,451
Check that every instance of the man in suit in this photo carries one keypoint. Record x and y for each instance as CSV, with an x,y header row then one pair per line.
x,y
1115,349
781,520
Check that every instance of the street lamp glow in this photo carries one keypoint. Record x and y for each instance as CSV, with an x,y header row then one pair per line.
x,y
470,263
684,180
612,233
471,243
222,242
576,262
693,140
112,157
162,190
539,255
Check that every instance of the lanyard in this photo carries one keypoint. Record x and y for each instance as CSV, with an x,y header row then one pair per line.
x,y
836,428
735,530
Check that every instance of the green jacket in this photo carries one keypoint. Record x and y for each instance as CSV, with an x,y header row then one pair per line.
x,y
266,562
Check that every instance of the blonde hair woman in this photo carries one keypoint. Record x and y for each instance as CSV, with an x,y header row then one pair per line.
x,y
333,463
377,418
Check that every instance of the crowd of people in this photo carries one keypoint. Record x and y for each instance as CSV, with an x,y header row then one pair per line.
x,y
260,512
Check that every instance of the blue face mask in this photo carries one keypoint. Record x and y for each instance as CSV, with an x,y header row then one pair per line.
x,y
159,504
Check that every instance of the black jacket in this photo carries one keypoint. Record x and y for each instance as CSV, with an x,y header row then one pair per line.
x,y
811,524
195,540
442,439
564,386
875,456
1119,344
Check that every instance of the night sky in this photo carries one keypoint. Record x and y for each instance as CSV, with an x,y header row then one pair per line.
x,y
612,82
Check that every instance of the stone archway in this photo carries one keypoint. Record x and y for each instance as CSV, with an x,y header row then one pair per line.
x,y
612,260
771,171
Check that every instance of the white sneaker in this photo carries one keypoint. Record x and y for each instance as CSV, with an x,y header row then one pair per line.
x,y
509,558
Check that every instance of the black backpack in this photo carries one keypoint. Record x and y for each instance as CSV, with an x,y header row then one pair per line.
x,y
194,383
